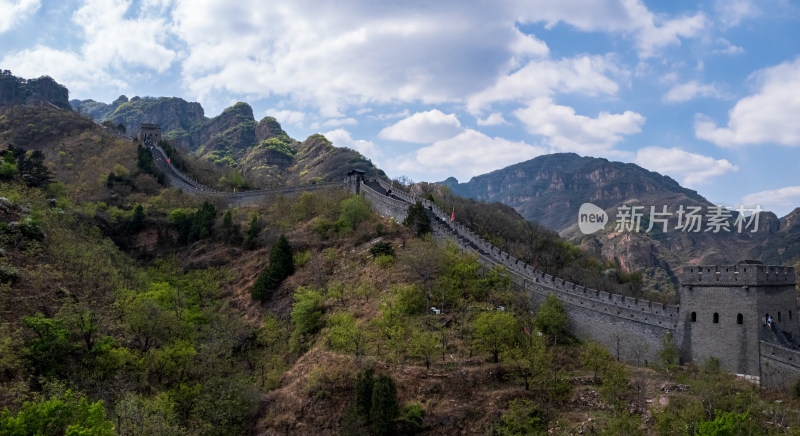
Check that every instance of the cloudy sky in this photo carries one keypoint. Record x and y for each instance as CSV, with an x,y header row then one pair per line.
x,y
707,92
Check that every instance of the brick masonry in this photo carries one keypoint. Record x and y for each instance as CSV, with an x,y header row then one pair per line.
x,y
722,313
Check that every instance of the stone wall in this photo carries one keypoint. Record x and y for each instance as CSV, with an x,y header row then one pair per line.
x,y
178,180
633,329
780,367
385,205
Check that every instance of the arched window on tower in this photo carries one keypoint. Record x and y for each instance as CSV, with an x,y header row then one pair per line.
x,y
694,317
716,318
739,319
779,316
790,315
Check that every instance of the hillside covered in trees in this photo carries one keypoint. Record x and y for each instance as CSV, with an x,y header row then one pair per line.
x,y
129,308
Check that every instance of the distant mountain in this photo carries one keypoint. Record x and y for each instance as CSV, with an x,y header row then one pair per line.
x,y
550,189
262,150
32,92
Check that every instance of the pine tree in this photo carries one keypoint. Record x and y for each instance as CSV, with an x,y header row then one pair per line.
x,y
364,385
417,219
384,408
281,265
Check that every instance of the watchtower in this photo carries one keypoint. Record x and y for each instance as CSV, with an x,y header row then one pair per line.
x,y
353,180
724,311
149,134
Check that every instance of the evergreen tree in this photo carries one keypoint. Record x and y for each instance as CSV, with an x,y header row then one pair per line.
x,y
418,220
364,385
384,408
281,265
138,217
252,232
145,160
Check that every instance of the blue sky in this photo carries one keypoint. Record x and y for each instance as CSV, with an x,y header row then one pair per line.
x,y
706,92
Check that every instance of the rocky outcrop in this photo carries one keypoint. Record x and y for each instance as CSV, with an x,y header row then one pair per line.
x,y
178,117
33,92
550,189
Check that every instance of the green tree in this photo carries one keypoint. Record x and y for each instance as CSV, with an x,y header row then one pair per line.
x,y
137,220
385,406
424,344
51,347
8,169
382,248
66,414
353,211
529,357
726,424
346,333
306,315
417,219
281,266
232,230
669,352
551,318
522,418
365,381
493,332
253,229
596,357
614,386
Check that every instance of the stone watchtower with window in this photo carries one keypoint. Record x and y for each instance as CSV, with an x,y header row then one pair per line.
x,y
725,309
149,134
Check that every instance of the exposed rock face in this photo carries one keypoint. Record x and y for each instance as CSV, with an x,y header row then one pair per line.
x,y
175,115
267,128
550,189
36,92
261,150
97,110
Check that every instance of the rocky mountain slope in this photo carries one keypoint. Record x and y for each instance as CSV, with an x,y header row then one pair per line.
x,y
44,90
550,190
262,151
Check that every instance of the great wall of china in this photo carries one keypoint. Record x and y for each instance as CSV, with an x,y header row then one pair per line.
x,y
739,296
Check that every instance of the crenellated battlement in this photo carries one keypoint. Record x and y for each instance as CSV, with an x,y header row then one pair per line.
x,y
723,312
744,274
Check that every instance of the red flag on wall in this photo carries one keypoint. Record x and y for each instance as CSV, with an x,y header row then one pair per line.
x,y
168,160
453,215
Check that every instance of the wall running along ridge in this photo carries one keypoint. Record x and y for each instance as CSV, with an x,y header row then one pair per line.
x,y
631,329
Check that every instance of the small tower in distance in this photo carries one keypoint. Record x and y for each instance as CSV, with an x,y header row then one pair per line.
x,y
724,311
149,134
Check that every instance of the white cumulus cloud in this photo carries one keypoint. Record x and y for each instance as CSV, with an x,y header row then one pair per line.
x,y
14,11
287,116
343,138
651,32
781,201
494,119
691,90
692,169
585,74
768,116
423,127
567,131
65,67
113,39
468,154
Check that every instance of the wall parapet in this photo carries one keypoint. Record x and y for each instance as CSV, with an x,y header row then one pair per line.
x,y
738,275
615,305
